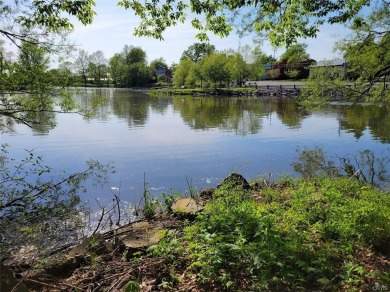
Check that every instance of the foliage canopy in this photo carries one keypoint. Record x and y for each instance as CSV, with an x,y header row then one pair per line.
x,y
367,56
283,21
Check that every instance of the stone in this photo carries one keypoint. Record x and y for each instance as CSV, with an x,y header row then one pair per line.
x,y
234,181
8,281
63,266
141,235
186,207
206,193
66,263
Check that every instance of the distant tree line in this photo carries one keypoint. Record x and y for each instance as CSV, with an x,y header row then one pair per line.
x,y
201,64
128,68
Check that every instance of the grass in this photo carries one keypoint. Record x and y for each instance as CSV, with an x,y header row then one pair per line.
x,y
317,234
323,234
201,91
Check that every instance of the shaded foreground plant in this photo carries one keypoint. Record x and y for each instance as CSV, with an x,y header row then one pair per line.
x,y
39,206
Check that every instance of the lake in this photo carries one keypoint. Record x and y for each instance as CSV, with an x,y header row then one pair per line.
x,y
176,141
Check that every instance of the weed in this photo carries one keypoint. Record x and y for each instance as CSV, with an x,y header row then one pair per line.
x,y
150,203
194,194
170,247
170,199
132,286
293,241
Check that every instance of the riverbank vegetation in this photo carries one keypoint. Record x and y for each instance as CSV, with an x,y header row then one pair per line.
x,y
326,231
321,233
295,234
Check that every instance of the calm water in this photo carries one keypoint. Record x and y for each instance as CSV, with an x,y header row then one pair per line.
x,y
202,139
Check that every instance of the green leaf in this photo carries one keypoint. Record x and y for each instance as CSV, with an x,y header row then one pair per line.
x,y
323,281
132,286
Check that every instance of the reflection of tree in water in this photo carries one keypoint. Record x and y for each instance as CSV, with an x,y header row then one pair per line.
x,y
43,122
135,106
131,106
358,118
160,104
229,114
289,112
241,115
134,109
380,125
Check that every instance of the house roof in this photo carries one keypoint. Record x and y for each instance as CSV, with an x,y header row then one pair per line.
x,y
334,62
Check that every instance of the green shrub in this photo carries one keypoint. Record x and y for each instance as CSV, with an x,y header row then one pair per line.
x,y
303,236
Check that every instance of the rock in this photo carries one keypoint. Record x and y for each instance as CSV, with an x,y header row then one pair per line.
x,y
186,207
206,193
8,282
65,264
141,235
234,181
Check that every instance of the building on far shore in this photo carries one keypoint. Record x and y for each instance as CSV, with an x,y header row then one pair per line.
x,y
337,68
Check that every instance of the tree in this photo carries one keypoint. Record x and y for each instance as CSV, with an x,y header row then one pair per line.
x,y
135,66
274,73
35,27
63,75
158,64
129,67
138,74
294,62
81,64
29,77
97,67
238,68
255,58
197,72
134,55
36,22
198,51
117,69
367,55
182,72
294,51
216,68
32,68
282,21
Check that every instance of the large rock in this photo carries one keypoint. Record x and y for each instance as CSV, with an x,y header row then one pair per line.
x,y
234,181
186,207
8,282
141,235
65,263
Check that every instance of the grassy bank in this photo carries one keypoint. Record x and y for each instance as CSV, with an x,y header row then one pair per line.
x,y
296,235
202,91
322,234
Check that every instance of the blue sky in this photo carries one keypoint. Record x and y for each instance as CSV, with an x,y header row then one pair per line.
x,y
113,28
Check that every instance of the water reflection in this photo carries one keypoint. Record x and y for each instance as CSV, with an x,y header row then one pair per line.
x,y
202,138
360,118
242,116
290,113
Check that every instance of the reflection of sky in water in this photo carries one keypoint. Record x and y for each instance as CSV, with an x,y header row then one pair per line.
x,y
168,151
